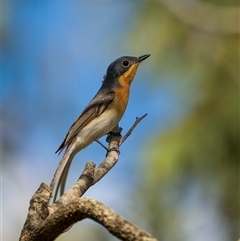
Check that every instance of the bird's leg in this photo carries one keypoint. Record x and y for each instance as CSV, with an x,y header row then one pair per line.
x,y
100,143
116,131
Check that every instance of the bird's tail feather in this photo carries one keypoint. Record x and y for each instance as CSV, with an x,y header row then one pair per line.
x,y
62,181
61,173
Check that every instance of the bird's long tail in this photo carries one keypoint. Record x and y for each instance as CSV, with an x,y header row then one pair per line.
x,y
61,173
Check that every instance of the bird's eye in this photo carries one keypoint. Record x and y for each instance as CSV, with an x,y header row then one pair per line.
x,y
125,63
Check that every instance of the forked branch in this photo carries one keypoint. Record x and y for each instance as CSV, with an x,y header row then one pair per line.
x,y
46,222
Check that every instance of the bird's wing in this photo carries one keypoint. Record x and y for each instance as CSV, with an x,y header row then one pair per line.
x,y
96,107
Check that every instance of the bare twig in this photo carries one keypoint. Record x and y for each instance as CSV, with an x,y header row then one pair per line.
x,y
138,119
84,182
112,155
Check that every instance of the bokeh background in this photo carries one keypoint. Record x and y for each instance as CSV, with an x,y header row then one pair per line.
x,y
178,174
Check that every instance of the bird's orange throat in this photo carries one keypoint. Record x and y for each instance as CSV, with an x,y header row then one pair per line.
x,y
126,79
122,93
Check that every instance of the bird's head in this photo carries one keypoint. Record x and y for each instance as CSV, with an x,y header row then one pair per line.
x,y
124,68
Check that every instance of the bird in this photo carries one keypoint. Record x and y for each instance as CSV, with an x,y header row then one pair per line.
x,y
100,116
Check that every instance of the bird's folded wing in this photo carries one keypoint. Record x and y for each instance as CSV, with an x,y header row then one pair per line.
x,y
101,102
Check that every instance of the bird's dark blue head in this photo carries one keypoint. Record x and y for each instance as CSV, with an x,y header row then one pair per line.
x,y
124,67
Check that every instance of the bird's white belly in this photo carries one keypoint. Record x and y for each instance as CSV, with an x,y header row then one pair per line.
x,y
98,127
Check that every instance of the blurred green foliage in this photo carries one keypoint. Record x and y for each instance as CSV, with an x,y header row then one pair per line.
x,y
202,149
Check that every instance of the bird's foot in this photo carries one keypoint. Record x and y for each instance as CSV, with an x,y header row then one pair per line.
x,y
115,131
113,149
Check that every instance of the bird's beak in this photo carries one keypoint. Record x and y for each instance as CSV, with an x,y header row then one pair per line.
x,y
143,57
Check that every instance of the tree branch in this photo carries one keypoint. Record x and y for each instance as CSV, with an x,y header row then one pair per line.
x,y
138,119
47,222
82,208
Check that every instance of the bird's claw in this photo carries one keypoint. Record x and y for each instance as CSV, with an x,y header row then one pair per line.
x,y
116,131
